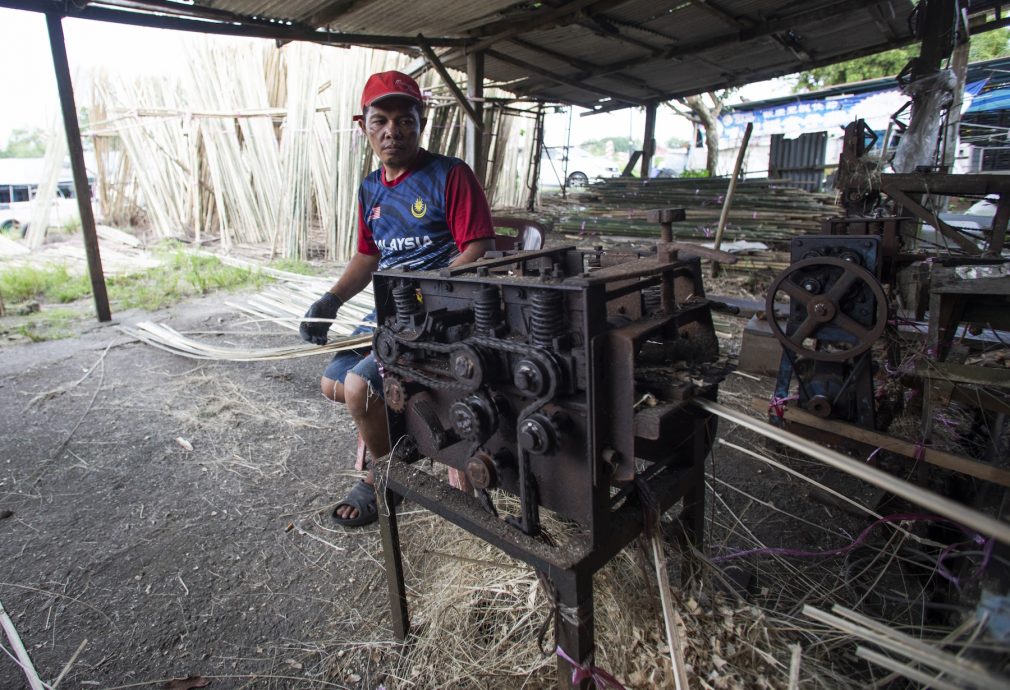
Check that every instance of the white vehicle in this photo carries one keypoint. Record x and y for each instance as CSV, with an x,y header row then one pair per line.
x,y
577,168
19,182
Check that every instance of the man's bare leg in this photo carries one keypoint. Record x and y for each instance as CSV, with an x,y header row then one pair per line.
x,y
334,390
369,414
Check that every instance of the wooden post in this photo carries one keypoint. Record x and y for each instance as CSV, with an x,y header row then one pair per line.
x,y
538,152
474,135
959,65
724,215
81,187
648,141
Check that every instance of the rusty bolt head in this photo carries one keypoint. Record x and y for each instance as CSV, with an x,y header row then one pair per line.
x,y
462,366
527,378
531,436
481,472
811,285
464,418
394,393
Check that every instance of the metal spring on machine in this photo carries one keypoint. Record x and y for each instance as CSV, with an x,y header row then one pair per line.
x,y
405,301
546,320
486,310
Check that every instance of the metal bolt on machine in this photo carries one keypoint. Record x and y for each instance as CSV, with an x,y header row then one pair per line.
x,y
564,378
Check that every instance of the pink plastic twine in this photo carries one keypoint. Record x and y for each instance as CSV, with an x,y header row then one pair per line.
x,y
778,405
581,672
941,569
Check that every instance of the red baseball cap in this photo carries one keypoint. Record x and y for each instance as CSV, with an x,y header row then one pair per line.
x,y
385,84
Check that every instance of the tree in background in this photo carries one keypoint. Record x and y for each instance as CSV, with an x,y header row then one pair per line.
x,y
707,114
25,143
984,46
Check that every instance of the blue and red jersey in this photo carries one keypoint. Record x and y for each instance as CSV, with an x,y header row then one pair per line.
x,y
424,218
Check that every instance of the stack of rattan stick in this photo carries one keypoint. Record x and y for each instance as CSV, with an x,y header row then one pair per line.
x,y
257,143
282,304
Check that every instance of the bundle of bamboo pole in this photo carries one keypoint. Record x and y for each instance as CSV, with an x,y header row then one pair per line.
x,y
257,144
763,210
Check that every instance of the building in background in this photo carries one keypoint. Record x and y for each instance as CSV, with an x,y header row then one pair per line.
x,y
799,137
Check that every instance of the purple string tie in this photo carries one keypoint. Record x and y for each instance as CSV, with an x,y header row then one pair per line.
x,y
581,672
941,569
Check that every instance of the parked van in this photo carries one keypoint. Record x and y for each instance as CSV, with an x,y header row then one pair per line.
x,y
19,183
569,166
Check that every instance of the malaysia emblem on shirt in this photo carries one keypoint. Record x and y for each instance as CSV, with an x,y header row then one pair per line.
x,y
418,208
375,214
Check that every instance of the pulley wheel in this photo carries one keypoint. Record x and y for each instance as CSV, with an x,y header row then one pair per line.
x,y
826,308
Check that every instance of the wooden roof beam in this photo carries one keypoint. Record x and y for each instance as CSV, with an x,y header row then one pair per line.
x,y
542,20
760,30
561,79
240,26
460,97
720,14
582,65
334,11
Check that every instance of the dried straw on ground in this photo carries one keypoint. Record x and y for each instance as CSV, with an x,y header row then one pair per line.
x,y
477,617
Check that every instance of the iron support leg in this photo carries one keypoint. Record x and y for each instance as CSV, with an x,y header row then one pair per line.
x,y
574,623
692,515
394,563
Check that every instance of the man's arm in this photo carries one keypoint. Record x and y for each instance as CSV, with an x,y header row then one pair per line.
x,y
356,276
473,251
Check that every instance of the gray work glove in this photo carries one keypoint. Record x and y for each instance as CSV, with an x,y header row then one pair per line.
x,y
325,307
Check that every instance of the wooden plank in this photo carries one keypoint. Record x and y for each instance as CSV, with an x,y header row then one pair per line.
x,y
965,373
899,446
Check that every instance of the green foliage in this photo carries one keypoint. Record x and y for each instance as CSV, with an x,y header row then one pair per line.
x,y
695,172
25,143
602,147
886,64
989,45
984,46
676,143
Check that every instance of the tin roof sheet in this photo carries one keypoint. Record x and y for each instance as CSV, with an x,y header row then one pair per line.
x,y
591,52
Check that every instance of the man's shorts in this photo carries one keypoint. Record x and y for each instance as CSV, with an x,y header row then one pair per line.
x,y
361,362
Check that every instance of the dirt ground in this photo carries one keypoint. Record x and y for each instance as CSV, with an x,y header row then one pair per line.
x,y
172,513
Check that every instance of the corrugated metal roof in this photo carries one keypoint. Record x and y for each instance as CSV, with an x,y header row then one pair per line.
x,y
591,52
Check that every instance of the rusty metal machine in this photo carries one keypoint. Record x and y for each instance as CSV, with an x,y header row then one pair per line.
x,y
874,264
837,312
560,377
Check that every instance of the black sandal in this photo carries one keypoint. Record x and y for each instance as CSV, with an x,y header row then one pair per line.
x,y
361,497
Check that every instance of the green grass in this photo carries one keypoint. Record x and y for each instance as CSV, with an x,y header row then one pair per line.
x,y
182,275
52,283
50,324
71,226
294,266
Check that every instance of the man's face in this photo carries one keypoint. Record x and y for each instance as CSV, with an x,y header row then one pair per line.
x,y
394,127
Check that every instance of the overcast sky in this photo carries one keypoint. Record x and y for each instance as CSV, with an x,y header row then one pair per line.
x,y
29,87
